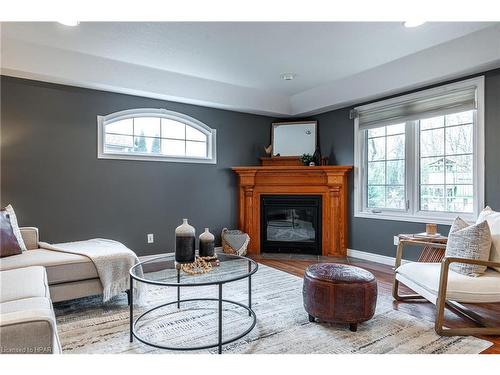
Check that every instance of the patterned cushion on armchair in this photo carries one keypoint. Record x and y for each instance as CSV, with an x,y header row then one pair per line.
x,y
468,242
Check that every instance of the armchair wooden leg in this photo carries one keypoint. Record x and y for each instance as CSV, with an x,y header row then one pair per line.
x,y
469,331
438,324
406,297
395,289
395,284
440,330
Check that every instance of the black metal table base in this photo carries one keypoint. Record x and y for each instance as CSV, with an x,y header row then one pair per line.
x,y
220,341
220,300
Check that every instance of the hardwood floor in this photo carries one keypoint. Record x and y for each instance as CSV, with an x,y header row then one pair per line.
x,y
296,265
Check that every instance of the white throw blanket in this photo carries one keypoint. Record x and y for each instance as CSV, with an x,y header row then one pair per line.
x,y
112,260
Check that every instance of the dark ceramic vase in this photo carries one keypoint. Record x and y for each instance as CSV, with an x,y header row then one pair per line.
x,y
185,243
207,244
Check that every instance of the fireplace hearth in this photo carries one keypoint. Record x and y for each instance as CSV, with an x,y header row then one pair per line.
x,y
291,224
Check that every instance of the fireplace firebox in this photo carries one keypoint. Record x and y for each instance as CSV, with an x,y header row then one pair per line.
x,y
291,224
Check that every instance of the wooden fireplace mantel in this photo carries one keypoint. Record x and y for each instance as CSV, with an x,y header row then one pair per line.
x,y
330,182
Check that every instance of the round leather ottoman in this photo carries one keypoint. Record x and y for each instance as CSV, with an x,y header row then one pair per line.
x,y
339,293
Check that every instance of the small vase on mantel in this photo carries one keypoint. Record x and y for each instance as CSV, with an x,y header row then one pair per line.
x,y
207,244
317,156
185,238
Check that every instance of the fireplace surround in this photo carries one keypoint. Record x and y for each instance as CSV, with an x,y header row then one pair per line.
x,y
327,182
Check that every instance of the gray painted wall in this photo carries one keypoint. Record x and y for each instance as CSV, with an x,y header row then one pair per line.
x,y
375,235
51,174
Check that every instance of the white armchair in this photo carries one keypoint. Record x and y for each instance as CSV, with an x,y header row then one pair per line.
x,y
443,287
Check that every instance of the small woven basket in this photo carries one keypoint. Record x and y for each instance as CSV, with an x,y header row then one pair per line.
x,y
235,242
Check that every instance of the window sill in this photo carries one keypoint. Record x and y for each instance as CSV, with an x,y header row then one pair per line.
x,y
156,158
414,218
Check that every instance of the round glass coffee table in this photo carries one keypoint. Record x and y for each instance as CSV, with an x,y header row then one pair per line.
x,y
163,271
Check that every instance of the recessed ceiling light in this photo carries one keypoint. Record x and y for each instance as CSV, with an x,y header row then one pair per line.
x,y
413,23
69,23
288,76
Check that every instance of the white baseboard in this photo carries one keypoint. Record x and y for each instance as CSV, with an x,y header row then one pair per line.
x,y
143,258
383,259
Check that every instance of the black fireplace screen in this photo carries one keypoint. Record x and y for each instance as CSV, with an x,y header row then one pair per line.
x,y
291,223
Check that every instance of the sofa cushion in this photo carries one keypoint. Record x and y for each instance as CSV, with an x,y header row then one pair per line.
x,y
33,303
469,242
8,245
28,326
23,283
493,219
30,237
61,267
460,288
77,289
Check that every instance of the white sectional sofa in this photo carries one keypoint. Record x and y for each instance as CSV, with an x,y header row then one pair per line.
x,y
30,282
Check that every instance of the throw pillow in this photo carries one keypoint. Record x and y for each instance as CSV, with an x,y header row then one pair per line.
x,y
469,242
15,226
493,219
8,241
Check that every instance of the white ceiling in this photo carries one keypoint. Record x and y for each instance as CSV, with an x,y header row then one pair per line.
x,y
238,65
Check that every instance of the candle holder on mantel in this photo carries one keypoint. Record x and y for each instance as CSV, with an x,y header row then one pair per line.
x,y
185,238
431,229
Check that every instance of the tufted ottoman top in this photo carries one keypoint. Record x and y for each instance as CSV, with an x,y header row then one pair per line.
x,y
339,273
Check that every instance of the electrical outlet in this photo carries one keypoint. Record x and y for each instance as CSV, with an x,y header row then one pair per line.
x,y
396,240
151,238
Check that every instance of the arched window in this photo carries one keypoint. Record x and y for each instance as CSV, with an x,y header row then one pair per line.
x,y
155,134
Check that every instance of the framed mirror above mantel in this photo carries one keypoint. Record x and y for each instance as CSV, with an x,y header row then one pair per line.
x,y
294,138
290,140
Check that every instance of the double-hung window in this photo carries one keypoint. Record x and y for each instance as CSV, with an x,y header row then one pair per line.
x,y
420,157
155,134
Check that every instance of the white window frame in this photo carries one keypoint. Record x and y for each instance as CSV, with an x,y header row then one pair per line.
x,y
412,177
159,113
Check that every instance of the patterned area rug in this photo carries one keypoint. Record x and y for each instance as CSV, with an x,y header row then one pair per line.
x,y
88,326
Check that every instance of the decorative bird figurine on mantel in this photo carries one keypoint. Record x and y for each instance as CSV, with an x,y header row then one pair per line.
x,y
268,150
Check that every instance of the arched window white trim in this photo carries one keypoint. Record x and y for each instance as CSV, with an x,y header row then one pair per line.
x,y
155,134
